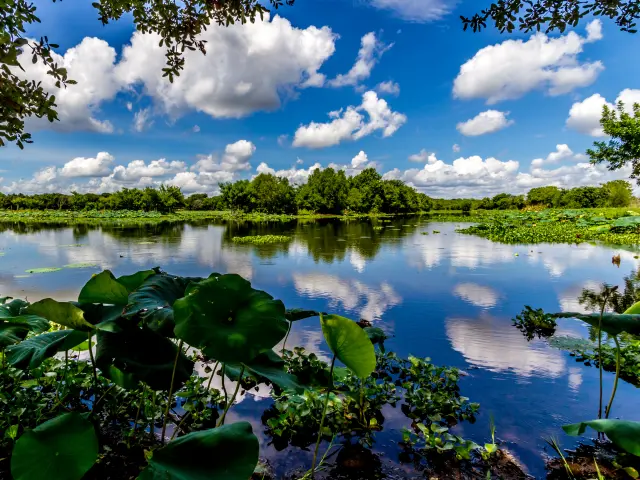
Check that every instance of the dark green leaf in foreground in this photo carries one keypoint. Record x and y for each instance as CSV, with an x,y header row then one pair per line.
x,y
62,313
349,343
295,314
229,452
12,333
612,323
139,354
229,320
133,281
377,336
268,366
63,448
152,302
625,434
104,288
33,351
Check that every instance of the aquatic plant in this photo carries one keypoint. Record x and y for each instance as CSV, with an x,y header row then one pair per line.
x,y
261,239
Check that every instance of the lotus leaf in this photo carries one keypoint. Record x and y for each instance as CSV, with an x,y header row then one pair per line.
x,y
104,288
229,452
43,270
267,365
612,323
63,448
349,343
152,302
295,314
229,320
133,281
633,309
139,354
624,433
33,351
62,313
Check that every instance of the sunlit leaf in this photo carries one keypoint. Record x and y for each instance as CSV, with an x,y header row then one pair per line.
x,y
612,323
104,288
62,313
33,351
349,343
624,433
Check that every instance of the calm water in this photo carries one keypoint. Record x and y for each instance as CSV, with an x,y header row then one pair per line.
x,y
447,296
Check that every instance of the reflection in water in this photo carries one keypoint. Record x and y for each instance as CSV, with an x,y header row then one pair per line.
x,y
477,295
369,302
496,346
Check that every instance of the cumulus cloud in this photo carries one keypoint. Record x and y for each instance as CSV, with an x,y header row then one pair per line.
x,y
246,69
350,124
485,122
296,176
390,87
455,148
236,157
585,116
88,167
138,169
91,64
418,11
423,156
510,69
563,152
371,50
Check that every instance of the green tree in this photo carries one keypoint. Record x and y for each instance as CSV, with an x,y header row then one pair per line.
x,y
177,23
271,194
547,196
236,195
619,193
551,15
584,197
624,145
326,191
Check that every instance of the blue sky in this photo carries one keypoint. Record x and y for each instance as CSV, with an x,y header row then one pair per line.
x,y
472,111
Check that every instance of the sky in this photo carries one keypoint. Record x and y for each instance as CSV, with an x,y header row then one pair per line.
x,y
392,84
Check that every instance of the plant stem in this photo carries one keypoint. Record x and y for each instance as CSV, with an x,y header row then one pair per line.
x,y
93,361
604,304
362,401
135,422
233,397
224,387
284,344
170,396
179,427
95,405
324,412
152,425
607,411
213,372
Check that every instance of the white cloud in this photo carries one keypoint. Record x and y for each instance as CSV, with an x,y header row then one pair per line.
x,y
423,156
236,157
142,120
283,140
246,69
371,50
90,63
585,116
390,87
88,167
360,160
563,152
296,176
196,129
419,11
455,148
478,295
129,106
485,122
350,124
138,169
510,69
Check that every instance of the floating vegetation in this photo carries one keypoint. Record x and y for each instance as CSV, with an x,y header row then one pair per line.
x,y
436,231
82,265
262,239
425,233
378,227
43,270
146,243
21,276
73,245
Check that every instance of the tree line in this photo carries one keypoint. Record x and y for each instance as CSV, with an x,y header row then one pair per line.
x,y
327,192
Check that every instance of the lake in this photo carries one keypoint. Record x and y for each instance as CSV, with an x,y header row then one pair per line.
x,y
447,296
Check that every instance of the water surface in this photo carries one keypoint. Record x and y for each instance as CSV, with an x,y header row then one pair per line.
x,y
445,295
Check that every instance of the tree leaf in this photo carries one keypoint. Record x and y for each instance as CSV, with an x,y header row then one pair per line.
x,y
33,351
62,313
229,452
624,433
104,288
229,320
139,354
63,448
349,343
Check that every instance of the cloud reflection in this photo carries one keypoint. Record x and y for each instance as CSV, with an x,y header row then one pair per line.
x,y
478,295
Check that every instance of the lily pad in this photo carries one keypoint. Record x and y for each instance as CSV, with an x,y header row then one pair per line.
x,y
63,448
229,320
81,265
229,452
43,270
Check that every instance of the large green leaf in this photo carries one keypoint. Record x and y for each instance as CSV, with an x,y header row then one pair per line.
x,y
266,366
98,314
104,288
624,433
633,309
349,343
63,448
229,320
133,281
15,307
295,314
612,323
229,452
62,313
139,354
11,333
33,351
152,302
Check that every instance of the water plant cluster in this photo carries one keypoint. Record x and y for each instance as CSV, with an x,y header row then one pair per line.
x,y
261,239
107,386
561,226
